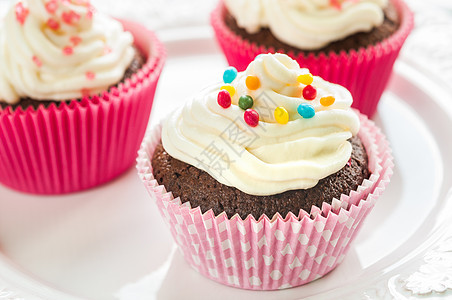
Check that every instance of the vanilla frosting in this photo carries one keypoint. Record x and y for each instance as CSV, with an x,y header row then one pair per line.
x,y
270,158
308,24
60,50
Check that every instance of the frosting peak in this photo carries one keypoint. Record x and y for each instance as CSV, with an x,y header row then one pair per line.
x,y
60,50
308,24
300,137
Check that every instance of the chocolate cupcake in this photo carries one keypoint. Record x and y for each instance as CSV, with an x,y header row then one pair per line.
x,y
73,81
265,170
183,180
352,43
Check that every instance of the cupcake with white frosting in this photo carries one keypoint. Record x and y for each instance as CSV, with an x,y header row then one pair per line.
x,y
352,43
270,169
72,82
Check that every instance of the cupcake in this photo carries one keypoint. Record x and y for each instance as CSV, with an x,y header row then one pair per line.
x,y
352,43
265,179
76,91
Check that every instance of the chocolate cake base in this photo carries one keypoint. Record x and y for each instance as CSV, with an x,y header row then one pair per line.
x,y
195,185
136,64
362,39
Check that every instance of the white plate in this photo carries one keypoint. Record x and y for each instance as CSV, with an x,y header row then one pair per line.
x,y
110,242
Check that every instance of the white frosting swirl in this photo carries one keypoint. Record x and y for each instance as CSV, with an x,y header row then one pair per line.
x,y
60,50
270,158
308,24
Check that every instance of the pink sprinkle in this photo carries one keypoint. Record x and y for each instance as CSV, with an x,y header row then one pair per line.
x,y
107,50
68,50
85,92
53,24
90,12
70,17
336,4
90,75
21,13
37,61
51,6
349,163
75,40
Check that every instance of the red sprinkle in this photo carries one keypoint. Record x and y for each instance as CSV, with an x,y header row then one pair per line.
x,y
224,99
336,4
251,117
90,75
21,13
68,50
53,24
70,17
75,40
51,6
309,92
37,61
85,92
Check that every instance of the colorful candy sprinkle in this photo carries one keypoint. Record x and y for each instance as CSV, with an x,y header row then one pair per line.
x,y
229,75
21,13
252,82
327,101
37,61
68,50
224,99
281,115
307,111
246,102
251,117
51,6
53,24
90,75
229,88
305,79
309,92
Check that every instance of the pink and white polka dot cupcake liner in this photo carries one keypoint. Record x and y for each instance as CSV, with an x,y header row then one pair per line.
x,y
272,252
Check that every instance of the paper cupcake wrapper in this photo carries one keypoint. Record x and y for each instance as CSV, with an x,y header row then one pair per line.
x,y
365,73
84,143
274,253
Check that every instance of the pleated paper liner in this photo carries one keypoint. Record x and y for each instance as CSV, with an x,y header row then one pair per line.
x,y
75,146
270,253
365,73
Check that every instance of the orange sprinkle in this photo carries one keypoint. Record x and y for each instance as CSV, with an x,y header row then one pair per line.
x,y
252,82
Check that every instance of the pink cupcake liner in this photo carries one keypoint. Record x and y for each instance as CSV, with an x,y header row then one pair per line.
x,y
365,73
276,253
75,146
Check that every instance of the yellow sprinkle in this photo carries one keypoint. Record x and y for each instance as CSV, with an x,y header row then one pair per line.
x,y
305,79
327,101
229,88
281,115
252,82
